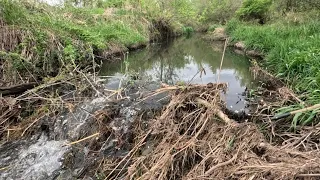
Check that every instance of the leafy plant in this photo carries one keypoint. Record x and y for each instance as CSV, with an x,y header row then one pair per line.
x,y
188,30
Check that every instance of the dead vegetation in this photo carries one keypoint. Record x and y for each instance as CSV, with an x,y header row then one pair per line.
x,y
194,139
273,83
23,115
161,29
191,138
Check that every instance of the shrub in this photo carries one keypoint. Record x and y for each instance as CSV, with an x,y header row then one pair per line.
x,y
213,27
254,9
219,11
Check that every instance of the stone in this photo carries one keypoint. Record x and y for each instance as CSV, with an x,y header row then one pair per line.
x,y
240,45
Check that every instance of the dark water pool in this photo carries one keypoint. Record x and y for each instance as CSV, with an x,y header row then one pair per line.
x,y
180,60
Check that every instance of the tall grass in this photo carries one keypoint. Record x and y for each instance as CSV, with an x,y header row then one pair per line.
x,y
292,53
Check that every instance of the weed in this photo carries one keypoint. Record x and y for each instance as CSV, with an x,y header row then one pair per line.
x,y
188,30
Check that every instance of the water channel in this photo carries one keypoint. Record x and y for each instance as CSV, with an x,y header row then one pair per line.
x,y
180,61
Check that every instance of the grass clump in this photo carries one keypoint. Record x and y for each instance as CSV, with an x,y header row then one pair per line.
x,y
188,30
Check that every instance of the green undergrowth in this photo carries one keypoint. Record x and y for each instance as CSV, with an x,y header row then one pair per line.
x,y
52,38
292,52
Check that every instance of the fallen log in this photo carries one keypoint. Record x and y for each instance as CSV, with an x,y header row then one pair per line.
x,y
17,89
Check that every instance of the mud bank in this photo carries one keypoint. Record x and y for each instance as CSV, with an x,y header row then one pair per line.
x,y
240,48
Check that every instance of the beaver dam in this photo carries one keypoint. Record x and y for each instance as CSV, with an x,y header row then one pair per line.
x,y
182,128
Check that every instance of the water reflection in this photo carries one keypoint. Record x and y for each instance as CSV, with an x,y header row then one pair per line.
x,y
181,60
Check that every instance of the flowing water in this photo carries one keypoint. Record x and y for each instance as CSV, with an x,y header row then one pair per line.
x,y
181,61
45,155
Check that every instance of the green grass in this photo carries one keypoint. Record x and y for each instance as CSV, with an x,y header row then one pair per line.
x,y
87,25
52,37
292,54
86,29
55,40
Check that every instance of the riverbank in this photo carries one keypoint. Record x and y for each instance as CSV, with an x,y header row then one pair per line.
x,y
286,47
38,40
291,53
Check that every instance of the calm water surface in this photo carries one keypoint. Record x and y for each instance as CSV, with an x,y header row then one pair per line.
x,y
180,60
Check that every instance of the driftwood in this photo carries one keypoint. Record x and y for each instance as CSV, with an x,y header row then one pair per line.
x,y
16,89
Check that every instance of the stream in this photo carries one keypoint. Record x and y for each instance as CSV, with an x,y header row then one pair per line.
x,y
46,154
180,60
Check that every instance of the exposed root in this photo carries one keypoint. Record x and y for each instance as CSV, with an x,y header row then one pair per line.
x,y
161,29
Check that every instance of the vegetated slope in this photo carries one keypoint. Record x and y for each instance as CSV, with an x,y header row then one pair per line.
x,y
289,39
38,40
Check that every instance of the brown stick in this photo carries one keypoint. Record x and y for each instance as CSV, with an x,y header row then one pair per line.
x,y
17,89
308,175
222,58
216,110
83,139
220,165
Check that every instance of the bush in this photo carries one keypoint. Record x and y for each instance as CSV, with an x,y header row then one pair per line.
x,y
219,11
114,3
254,9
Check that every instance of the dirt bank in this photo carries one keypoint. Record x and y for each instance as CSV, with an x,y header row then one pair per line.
x,y
160,30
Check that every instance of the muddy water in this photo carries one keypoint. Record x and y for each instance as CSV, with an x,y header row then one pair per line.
x,y
180,61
